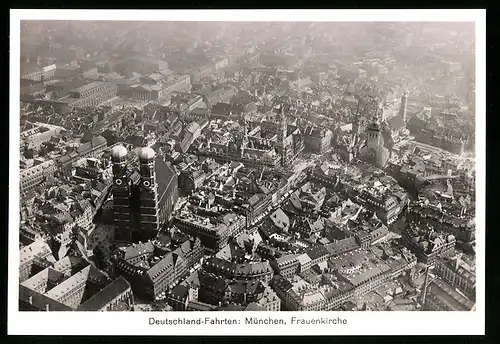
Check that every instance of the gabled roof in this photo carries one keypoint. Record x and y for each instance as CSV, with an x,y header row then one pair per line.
x,y
180,292
165,72
156,76
166,176
342,246
230,251
231,308
280,219
106,295
137,250
222,108
40,301
255,307
396,122
200,306
166,263
317,252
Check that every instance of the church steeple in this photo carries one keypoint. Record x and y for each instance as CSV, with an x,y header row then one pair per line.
x,y
404,105
281,135
282,125
245,133
149,206
121,194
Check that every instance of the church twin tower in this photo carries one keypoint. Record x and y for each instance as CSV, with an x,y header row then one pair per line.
x,y
136,212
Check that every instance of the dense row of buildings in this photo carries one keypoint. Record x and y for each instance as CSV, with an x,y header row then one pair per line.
x,y
241,177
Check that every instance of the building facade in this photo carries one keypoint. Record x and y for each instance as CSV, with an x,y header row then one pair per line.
x,y
317,140
31,178
149,209
121,195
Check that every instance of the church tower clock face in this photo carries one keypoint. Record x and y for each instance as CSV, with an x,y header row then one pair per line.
x,y
146,183
118,182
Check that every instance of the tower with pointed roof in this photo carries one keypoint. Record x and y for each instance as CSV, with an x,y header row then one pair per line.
x,y
281,135
245,135
404,105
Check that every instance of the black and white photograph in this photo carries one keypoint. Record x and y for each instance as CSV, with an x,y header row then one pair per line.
x,y
312,171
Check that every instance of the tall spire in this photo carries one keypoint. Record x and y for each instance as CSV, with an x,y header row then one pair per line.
x,y
281,134
245,134
404,105
283,122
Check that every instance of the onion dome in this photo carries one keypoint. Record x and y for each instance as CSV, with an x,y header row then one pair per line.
x,y
118,152
147,154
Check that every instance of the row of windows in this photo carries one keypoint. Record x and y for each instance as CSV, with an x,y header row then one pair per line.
x,y
453,277
37,171
72,298
105,88
274,306
168,278
32,182
458,281
90,72
96,101
144,96
127,298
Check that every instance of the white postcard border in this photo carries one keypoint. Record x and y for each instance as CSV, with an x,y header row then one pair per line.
x,y
358,323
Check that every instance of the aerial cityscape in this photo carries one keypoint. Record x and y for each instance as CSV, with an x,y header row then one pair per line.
x,y
247,166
